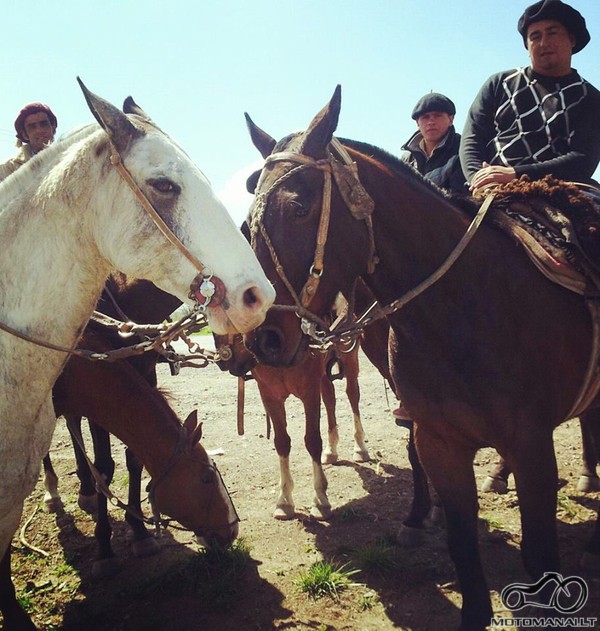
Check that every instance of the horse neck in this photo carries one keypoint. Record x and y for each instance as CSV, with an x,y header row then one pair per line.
x,y
135,412
51,271
415,227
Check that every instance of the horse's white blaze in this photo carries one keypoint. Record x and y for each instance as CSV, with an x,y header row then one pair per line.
x,y
67,219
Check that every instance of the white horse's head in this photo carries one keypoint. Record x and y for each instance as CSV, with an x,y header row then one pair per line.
x,y
191,239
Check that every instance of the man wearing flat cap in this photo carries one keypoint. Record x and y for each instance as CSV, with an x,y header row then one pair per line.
x,y
433,149
539,120
35,126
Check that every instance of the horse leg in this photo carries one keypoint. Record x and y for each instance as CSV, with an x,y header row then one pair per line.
x,y
497,480
144,543
87,499
590,560
15,618
52,499
350,361
449,466
275,408
105,564
330,453
533,463
412,531
321,508
589,481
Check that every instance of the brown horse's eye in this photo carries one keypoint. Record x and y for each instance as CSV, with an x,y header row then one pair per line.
x,y
298,209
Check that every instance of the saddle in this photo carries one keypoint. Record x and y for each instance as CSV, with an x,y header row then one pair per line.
x,y
558,223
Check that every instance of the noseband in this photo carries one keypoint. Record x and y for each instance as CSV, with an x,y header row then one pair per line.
x,y
354,195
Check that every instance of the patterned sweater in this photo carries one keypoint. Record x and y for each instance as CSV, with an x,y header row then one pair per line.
x,y
536,124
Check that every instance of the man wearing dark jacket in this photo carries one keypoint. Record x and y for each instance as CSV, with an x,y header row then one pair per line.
x,y
539,120
433,149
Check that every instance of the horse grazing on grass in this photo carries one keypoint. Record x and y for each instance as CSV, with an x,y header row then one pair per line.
x,y
124,196
135,410
474,357
310,382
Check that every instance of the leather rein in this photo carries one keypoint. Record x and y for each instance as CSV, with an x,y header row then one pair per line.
x,y
201,285
344,330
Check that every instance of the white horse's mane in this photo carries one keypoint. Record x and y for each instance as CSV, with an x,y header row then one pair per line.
x,y
41,162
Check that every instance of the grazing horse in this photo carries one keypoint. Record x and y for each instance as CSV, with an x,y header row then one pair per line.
x,y
310,382
124,196
474,356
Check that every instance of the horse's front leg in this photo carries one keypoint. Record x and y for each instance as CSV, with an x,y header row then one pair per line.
x,y
314,445
87,499
105,564
144,544
275,408
449,466
15,618
330,453
351,369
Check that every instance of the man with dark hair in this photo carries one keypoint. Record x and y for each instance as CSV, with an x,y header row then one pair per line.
x,y
539,120
433,149
35,126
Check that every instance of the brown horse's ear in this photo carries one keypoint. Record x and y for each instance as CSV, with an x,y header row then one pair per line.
x,y
116,124
260,139
320,131
193,428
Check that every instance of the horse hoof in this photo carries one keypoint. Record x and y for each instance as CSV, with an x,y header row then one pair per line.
x,y
88,503
590,563
329,458
105,568
494,485
588,484
361,455
284,512
321,513
54,504
410,537
146,547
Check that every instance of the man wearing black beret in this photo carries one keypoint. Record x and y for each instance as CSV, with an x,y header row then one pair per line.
x,y
433,149
539,120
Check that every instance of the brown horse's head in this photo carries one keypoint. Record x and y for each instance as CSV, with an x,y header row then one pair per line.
x,y
191,490
287,223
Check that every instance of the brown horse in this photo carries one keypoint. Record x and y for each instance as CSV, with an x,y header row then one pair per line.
x,y
310,382
493,354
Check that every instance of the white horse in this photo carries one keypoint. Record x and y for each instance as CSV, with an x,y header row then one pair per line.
x,y
67,218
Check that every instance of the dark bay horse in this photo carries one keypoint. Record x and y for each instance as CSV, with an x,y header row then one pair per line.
x,y
492,354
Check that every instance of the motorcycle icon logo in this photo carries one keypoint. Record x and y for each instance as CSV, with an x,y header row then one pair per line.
x,y
568,595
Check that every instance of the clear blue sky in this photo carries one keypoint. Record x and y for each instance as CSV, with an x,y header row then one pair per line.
x,y
197,65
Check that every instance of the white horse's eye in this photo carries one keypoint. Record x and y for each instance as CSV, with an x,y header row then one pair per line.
x,y
164,185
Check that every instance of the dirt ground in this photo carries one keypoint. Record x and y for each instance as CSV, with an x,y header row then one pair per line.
x,y
415,591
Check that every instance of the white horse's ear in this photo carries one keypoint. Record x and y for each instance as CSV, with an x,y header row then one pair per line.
x,y
260,139
131,107
119,128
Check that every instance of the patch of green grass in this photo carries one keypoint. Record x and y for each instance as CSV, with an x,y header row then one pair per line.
x,y
565,505
379,556
492,522
214,572
324,578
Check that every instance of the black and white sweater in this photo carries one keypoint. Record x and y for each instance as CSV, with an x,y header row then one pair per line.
x,y
538,125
